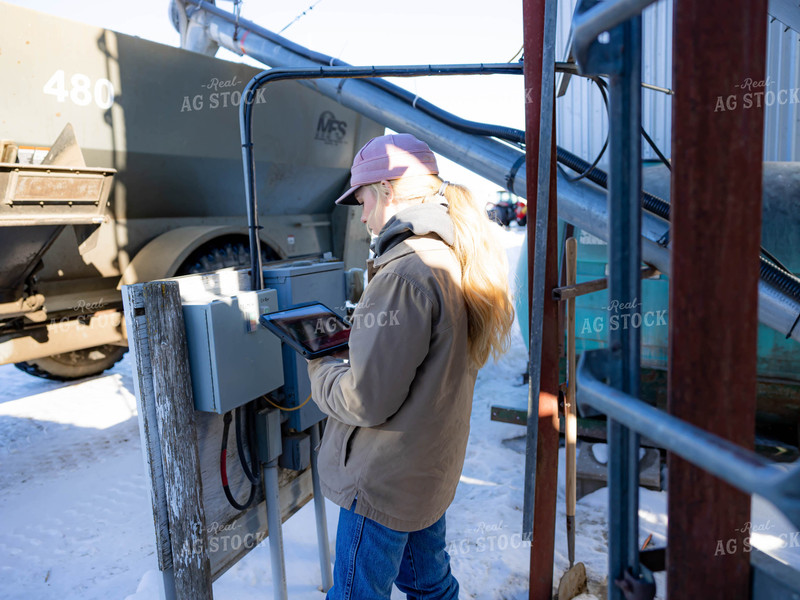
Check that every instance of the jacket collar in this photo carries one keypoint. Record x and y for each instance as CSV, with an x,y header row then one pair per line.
x,y
409,246
417,220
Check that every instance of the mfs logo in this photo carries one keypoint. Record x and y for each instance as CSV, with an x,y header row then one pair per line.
x,y
329,129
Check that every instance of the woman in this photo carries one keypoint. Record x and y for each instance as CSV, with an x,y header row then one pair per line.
x,y
435,308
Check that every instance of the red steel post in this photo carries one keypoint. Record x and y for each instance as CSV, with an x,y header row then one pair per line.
x,y
544,518
715,232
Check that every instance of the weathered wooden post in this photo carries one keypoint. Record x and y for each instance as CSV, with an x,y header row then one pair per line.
x,y
157,340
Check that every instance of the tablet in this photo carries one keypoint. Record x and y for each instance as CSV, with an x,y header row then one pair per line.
x,y
312,329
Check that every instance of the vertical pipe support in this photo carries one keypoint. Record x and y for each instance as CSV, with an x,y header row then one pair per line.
x,y
541,464
168,580
275,530
624,293
319,512
713,295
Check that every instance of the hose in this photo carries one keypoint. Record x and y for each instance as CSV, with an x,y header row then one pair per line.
x,y
473,127
785,282
650,203
781,279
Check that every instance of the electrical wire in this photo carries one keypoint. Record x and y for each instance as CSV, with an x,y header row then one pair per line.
x,y
513,58
300,16
252,475
283,408
656,150
773,259
601,85
223,469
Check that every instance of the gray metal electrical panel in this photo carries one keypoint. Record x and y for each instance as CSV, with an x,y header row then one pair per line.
x,y
232,358
305,281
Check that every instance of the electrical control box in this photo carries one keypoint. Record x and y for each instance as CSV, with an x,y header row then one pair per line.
x,y
232,358
295,451
268,431
305,281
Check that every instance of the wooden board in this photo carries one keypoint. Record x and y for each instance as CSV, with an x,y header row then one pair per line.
x,y
174,404
218,534
231,533
136,325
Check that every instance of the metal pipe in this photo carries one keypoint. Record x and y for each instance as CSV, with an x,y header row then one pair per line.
x,y
541,460
275,530
778,311
486,157
624,287
168,581
786,11
713,330
248,163
584,205
739,467
317,58
319,512
538,295
318,73
489,158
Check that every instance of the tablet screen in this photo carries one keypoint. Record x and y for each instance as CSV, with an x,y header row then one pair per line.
x,y
314,326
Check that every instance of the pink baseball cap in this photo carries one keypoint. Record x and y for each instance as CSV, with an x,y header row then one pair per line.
x,y
389,157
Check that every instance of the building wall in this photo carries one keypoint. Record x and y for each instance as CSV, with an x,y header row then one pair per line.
x,y
582,124
782,119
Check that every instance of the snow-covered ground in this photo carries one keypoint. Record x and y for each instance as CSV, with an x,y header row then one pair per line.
x,y
76,522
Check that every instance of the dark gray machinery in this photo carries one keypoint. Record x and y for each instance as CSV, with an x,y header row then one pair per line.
x,y
164,123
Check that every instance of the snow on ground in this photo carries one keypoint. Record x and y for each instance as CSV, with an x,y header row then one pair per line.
x,y
76,520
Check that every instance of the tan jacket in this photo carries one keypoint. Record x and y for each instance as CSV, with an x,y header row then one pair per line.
x,y
399,411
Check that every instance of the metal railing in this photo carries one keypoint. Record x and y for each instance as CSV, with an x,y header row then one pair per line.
x,y
745,470
607,40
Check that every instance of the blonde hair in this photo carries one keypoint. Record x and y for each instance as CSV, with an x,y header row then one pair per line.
x,y
484,268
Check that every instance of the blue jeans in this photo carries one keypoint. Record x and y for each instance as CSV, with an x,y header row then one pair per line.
x,y
371,557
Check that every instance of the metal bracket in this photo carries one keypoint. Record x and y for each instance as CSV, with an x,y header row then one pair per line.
x,y
592,56
737,466
597,48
